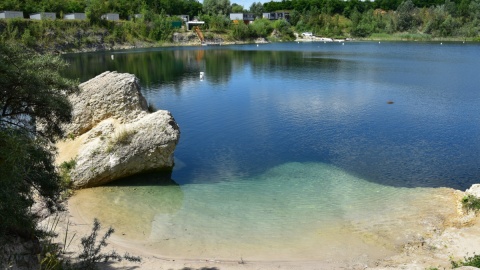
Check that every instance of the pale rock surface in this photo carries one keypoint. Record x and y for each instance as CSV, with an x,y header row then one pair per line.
x,y
109,95
474,190
114,134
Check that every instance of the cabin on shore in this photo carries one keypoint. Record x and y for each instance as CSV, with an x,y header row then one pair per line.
x,y
43,16
185,18
135,17
11,14
245,17
192,24
277,15
75,16
111,17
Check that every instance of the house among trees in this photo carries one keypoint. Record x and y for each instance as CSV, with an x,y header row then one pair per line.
x,y
184,18
277,15
192,24
75,16
245,17
43,16
11,14
111,17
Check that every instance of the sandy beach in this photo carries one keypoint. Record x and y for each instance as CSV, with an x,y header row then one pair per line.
x,y
456,237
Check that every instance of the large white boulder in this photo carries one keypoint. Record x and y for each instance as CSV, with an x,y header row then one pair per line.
x,y
113,135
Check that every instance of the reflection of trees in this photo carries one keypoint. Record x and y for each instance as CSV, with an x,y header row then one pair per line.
x,y
170,66
150,67
218,65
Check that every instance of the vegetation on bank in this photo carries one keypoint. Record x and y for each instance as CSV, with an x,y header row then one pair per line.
x,y
379,20
33,106
33,99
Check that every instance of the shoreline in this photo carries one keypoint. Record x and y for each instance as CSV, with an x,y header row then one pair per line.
x,y
436,249
144,45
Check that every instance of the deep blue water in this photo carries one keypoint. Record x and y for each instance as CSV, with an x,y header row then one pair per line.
x,y
259,107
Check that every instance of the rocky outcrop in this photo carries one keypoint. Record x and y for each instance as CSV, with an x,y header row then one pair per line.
x,y
474,190
112,134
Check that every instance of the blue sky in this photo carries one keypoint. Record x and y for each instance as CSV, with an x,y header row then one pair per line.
x,y
246,3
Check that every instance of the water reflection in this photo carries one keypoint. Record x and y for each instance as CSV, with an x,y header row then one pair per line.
x,y
259,107
174,67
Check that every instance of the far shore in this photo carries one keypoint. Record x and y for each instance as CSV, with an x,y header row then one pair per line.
x,y
376,38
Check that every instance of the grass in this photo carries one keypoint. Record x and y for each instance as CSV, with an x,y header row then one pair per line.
x,y
467,261
471,202
65,174
121,137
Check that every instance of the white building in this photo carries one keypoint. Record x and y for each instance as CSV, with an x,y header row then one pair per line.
x,y
246,17
111,17
43,16
192,24
278,15
11,14
75,16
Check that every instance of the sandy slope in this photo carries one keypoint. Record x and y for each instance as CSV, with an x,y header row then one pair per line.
x,y
459,237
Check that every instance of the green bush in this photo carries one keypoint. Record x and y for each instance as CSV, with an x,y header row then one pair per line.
x,y
467,261
26,163
471,202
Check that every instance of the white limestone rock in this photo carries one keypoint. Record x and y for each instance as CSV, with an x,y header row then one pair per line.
x,y
474,190
109,95
115,135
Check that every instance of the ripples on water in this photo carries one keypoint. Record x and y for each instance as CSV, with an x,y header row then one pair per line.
x,y
291,150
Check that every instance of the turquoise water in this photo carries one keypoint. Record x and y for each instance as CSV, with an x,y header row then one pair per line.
x,y
292,151
296,211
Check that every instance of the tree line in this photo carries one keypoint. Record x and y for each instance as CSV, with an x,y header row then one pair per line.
x,y
330,18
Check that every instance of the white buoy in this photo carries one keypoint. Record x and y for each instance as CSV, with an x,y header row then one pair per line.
x,y
112,56
257,45
441,43
379,42
343,43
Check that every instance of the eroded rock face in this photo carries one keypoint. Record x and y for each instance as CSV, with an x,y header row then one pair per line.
x,y
114,135
109,95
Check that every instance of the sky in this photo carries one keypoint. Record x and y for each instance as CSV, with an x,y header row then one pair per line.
x,y
246,3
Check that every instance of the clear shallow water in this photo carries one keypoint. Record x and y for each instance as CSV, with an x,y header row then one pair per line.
x,y
296,211
286,147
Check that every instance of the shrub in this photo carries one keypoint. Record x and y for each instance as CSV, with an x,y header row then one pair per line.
x,y
53,257
467,261
91,253
471,202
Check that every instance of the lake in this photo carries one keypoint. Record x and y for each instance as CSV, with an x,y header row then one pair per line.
x,y
293,151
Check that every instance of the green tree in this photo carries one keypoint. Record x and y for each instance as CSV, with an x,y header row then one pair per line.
x,y
474,8
215,7
33,106
284,31
240,31
256,9
236,8
261,27
95,9
405,11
